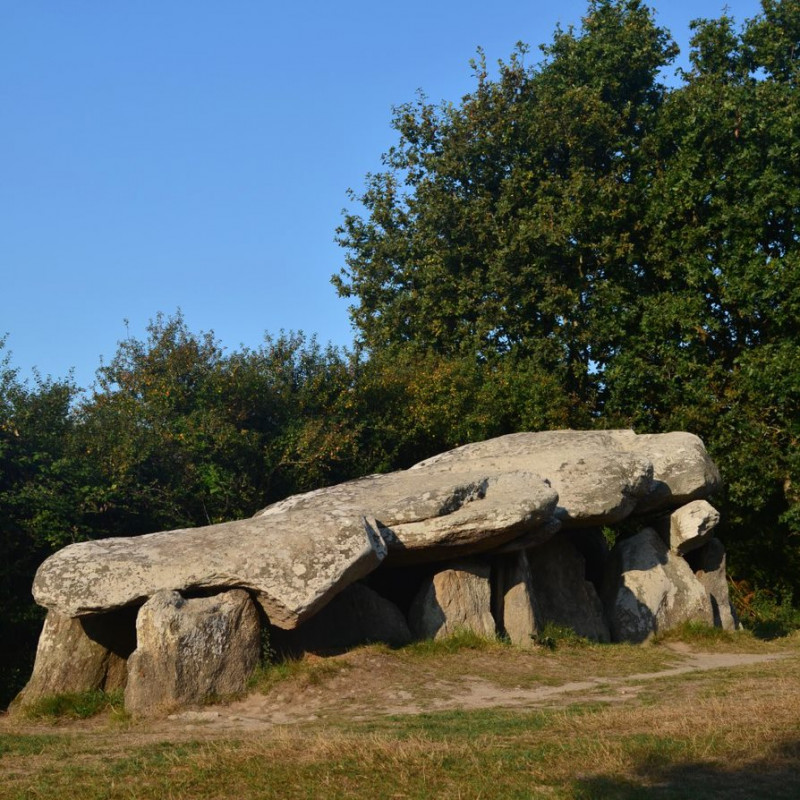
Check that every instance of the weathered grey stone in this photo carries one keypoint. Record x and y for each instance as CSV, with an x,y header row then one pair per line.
x,y
515,601
454,599
190,650
600,476
713,576
690,526
650,589
682,469
295,563
69,657
597,481
432,515
533,539
356,616
562,594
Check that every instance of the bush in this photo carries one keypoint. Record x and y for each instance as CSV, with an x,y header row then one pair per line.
x,y
552,636
768,614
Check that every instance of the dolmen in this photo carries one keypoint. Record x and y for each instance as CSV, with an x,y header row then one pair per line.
x,y
608,533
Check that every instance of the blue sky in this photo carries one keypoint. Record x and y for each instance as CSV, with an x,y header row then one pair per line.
x,y
191,154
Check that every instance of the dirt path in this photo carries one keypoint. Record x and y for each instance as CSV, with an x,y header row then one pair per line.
x,y
368,684
375,686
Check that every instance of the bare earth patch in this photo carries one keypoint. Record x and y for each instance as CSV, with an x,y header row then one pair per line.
x,y
672,720
373,684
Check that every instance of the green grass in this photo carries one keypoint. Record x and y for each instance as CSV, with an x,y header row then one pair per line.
x,y
305,671
444,725
20,744
695,632
75,705
456,642
552,636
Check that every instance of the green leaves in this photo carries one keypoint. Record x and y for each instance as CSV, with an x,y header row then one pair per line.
x,y
637,246
182,434
519,210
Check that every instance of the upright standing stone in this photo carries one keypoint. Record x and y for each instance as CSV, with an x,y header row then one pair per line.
x,y
563,595
515,598
190,650
453,600
712,575
78,655
650,589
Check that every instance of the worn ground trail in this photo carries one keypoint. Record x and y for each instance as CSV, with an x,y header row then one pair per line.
x,y
352,697
369,684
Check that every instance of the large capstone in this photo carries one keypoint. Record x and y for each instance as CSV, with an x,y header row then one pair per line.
x,y
429,515
601,476
294,564
682,469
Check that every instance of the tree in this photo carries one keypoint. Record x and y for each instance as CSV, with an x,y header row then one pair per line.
x,y
182,434
42,487
636,245
503,224
715,336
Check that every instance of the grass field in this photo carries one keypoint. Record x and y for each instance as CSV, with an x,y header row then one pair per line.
x,y
618,722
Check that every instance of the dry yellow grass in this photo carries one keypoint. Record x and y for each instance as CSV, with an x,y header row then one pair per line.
x,y
731,733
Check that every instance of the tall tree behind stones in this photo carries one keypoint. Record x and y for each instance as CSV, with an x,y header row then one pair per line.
x,y
508,225
636,245
713,346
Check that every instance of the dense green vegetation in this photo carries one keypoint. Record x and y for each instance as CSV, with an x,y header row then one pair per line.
x,y
631,249
574,244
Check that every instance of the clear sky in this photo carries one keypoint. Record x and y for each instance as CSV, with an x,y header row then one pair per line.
x,y
195,154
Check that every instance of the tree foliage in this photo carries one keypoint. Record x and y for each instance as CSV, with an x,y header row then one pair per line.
x,y
505,224
40,487
637,243
182,434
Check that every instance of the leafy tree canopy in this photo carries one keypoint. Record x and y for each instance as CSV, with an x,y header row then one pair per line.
x,y
638,244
